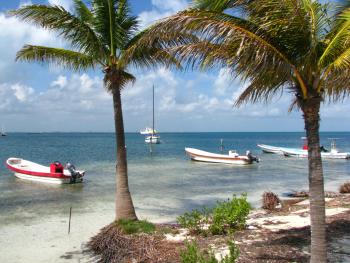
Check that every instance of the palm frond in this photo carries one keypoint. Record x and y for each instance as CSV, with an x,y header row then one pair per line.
x,y
116,80
219,5
80,35
126,25
56,56
104,23
143,50
83,12
338,40
231,40
337,85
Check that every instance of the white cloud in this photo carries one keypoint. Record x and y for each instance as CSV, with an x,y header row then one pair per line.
x,y
61,82
161,9
172,5
21,92
13,35
66,4
223,82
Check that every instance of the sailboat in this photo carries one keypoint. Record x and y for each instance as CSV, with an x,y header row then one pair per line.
x,y
152,137
2,132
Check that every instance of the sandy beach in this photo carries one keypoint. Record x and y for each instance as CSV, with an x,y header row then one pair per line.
x,y
47,240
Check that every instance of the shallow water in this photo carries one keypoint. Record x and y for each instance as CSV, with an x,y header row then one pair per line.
x,y
164,184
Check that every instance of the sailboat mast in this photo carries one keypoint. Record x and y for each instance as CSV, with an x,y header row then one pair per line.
x,y
153,111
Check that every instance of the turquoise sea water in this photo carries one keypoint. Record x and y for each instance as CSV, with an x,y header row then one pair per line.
x,y
165,183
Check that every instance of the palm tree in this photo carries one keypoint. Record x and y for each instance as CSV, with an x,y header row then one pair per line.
x,y
301,46
102,36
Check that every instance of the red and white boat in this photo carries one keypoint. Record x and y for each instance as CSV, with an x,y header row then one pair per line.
x,y
55,173
232,158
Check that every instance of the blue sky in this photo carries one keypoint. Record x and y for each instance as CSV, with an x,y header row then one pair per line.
x,y
41,98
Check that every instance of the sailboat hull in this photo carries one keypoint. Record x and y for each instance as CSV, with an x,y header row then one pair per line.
x,y
152,139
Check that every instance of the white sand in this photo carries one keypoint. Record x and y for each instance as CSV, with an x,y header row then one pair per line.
x,y
181,236
47,240
293,220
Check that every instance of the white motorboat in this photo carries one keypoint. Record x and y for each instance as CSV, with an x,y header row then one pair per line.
x,y
280,150
152,136
270,149
231,158
334,153
55,173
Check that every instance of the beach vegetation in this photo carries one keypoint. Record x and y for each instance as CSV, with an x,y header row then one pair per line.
x,y
345,188
226,217
301,47
193,254
135,226
99,34
270,201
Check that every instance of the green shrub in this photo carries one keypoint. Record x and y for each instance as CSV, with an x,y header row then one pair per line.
x,y
195,220
230,215
191,221
135,226
193,254
225,217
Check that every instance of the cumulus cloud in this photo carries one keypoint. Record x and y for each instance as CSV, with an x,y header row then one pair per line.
x,y
13,35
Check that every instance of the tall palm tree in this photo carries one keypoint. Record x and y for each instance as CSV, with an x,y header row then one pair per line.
x,y
100,35
275,45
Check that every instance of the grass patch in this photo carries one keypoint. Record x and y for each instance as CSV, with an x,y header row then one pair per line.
x,y
135,226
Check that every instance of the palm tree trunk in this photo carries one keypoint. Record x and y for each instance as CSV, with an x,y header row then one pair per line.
x,y
311,108
124,205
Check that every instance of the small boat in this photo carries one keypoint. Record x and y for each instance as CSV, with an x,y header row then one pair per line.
x,y
231,158
148,131
270,149
334,153
55,173
2,133
280,150
152,137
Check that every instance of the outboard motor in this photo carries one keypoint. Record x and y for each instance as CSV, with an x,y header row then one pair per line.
x,y
74,174
251,157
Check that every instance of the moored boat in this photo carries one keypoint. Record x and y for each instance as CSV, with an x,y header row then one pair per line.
x,y
231,158
334,153
154,139
152,136
55,173
270,149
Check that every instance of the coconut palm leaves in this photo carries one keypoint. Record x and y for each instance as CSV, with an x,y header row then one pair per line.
x,y
101,35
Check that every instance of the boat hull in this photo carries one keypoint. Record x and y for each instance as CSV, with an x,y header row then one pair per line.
x,y
270,149
49,180
202,156
152,139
